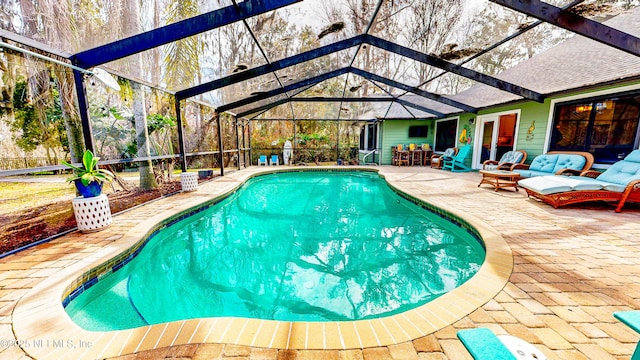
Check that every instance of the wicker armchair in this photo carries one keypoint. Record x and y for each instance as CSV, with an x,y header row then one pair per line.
x,y
507,161
436,159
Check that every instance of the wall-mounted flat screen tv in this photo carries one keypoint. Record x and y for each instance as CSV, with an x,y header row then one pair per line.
x,y
418,131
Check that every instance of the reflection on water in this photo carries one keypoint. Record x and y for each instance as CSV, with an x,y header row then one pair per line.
x,y
296,246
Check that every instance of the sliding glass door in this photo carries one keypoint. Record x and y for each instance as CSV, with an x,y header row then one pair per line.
x,y
605,127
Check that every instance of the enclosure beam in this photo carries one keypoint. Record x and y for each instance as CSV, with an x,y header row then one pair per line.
x,y
268,68
415,90
308,119
176,31
249,141
337,99
220,145
181,148
453,68
267,94
295,143
263,107
366,100
575,23
317,79
418,107
87,130
235,122
294,99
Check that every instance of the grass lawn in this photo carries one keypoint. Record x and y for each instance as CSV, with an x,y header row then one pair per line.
x,y
40,190
19,196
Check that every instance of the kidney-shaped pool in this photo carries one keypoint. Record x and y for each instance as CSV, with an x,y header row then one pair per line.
x,y
294,246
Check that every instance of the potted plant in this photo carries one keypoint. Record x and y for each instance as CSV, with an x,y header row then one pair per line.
x,y
89,178
92,209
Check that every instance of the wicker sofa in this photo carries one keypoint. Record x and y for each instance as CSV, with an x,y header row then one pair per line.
x,y
619,183
556,163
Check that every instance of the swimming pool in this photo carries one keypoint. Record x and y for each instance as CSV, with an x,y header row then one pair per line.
x,y
271,226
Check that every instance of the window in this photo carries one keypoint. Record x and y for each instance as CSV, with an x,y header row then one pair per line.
x,y
369,137
605,127
445,134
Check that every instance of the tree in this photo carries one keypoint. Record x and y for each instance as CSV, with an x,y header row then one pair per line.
x,y
131,25
493,23
38,120
181,58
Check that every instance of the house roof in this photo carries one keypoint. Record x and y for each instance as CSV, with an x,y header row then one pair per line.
x,y
573,64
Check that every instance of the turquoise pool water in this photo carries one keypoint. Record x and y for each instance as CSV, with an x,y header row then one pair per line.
x,y
296,246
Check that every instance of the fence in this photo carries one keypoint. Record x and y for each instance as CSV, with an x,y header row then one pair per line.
x,y
11,163
310,155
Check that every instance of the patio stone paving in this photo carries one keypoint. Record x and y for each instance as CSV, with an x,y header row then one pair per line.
x,y
573,267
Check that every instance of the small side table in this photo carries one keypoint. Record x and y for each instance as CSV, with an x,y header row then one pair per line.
x,y
500,179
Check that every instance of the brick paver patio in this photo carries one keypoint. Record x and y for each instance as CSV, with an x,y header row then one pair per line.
x,y
573,268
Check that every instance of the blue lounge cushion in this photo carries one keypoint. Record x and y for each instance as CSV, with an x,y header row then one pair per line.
x,y
579,183
483,344
615,187
552,184
540,173
569,161
633,156
549,164
621,172
524,173
545,163
511,157
531,173
544,185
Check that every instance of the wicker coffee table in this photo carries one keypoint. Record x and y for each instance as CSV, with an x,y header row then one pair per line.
x,y
500,179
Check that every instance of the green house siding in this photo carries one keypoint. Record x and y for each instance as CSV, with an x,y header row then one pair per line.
x,y
397,132
534,116
539,115
533,123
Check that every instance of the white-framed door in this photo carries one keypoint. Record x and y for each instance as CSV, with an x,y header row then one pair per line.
x,y
485,144
496,134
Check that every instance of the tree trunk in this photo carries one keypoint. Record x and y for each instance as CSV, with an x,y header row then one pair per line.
x,y
131,25
73,127
147,179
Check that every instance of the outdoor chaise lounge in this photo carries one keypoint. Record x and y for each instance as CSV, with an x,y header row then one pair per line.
x,y
556,163
620,182
507,160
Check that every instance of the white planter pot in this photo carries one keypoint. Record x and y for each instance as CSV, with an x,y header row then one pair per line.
x,y
92,214
189,181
